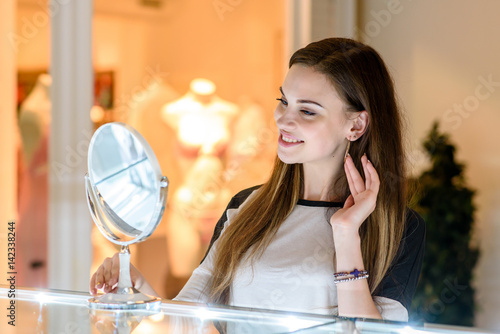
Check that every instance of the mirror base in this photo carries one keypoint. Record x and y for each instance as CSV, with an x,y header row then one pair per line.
x,y
129,299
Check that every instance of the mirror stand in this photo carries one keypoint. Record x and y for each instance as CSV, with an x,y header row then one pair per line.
x,y
125,295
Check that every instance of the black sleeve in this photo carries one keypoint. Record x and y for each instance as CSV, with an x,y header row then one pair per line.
x,y
234,203
401,279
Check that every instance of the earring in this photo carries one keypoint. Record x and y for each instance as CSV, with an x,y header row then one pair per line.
x,y
347,149
348,146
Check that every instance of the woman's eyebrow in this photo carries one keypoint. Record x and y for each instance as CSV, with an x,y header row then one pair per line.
x,y
281,90
303,101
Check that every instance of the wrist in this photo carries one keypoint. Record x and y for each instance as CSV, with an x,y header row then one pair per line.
x,y
344,227
348,253
346,238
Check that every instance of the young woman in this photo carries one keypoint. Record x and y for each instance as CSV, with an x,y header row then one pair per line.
x,y
329,232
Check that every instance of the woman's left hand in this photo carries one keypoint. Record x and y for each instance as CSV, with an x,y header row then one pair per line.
x,y
361,203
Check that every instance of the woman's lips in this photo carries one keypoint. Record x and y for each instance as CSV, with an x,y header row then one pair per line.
x,y
287,140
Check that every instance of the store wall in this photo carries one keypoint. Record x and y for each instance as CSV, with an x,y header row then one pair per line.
x,y
33,24
237,46
441,54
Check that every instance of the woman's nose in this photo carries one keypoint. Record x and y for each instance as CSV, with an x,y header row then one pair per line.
x,y
284,119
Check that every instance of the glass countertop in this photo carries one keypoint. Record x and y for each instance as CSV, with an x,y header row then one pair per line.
x,y
58,312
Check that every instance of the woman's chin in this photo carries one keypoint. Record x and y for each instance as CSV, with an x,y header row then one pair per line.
x,y
287,159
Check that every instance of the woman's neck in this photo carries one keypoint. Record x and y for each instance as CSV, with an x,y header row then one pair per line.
x,y
317,182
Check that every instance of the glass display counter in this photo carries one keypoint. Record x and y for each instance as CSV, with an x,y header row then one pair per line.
x,y
56,311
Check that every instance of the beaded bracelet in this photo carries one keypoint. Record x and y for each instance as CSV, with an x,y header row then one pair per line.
x,y
354,273
348,279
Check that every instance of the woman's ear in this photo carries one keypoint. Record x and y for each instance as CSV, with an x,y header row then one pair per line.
x,y
358,125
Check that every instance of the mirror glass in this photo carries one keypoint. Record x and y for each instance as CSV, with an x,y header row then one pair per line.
x,y
126,178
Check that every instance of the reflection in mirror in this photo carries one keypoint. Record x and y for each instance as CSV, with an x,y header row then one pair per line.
x,y
126,194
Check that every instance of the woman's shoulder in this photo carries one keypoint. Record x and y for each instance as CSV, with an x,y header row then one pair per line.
x,y
241,197
234,204
414,225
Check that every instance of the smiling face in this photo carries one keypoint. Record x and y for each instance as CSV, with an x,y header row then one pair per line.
x,y
311,119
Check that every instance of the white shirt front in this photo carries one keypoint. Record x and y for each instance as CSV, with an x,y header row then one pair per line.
x,y
294,273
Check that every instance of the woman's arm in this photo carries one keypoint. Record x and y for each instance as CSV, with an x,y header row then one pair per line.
x,y
354,297
401,279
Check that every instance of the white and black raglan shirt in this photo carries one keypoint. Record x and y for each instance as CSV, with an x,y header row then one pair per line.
x,y
295,272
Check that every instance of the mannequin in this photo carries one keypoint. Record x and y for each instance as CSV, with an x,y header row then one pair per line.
x,y
201,119
203,126
34,126
34,117
196,207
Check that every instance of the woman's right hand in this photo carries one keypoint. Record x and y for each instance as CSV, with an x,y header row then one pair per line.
x,y
108,273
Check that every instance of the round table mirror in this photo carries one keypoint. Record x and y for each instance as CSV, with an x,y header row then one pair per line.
x,y
126,194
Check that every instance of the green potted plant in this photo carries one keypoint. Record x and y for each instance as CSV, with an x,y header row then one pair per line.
x,y
445,294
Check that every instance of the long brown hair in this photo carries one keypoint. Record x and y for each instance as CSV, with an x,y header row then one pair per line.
x,y
362,81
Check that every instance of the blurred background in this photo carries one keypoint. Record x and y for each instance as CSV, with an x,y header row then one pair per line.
x,y
67,67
